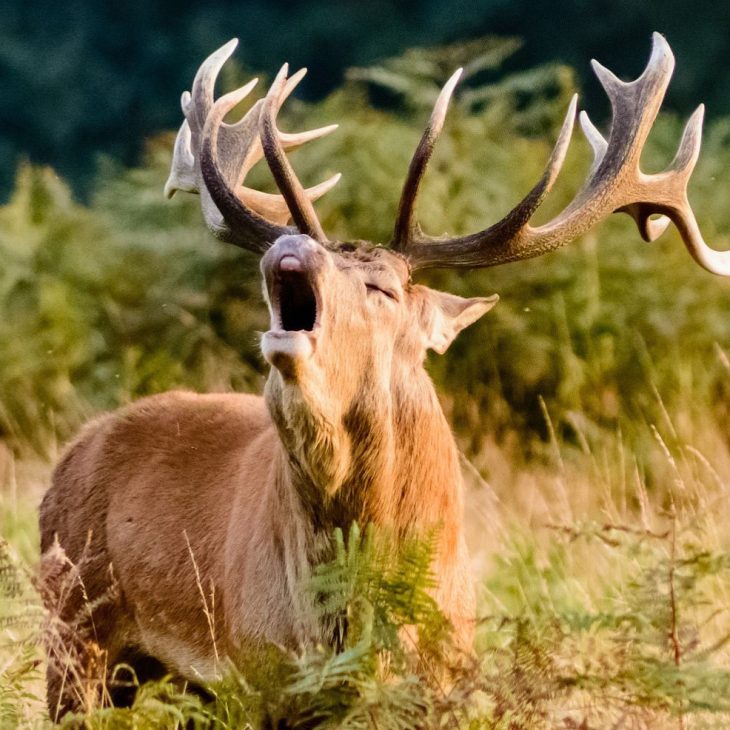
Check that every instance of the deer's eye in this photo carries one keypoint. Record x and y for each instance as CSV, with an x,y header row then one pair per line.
x,y
380,290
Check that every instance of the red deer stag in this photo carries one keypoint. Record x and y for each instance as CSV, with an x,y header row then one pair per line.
x,y
182,495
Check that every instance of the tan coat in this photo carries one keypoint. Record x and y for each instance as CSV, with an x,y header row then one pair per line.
x,y
198,517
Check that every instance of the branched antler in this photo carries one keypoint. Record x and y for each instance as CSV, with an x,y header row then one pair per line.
x,y
614,183
213,158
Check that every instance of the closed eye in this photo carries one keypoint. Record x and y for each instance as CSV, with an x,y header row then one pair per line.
x,y
388,292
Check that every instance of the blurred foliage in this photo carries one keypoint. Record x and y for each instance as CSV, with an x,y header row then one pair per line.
x,y
92,315
129,295
82,77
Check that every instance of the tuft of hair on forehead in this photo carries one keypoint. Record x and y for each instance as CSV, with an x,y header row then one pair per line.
x,y
366,252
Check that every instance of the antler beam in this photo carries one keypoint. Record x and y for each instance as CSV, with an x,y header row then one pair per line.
x,y
213,158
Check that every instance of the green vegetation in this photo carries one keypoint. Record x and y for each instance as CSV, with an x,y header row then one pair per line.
x,y
98,78
593,399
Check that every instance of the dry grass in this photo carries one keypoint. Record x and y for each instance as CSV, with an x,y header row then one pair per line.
x,y
583,534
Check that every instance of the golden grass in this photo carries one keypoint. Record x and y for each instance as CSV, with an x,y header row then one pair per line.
x,y
570,534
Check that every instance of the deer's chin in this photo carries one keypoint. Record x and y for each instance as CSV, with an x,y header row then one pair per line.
x,y
287,349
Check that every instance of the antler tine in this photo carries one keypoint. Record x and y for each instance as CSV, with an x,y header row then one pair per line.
x,y
291,140
615,183
203,89
595,139
274,207
231,220
296,197
184,170
674,183
406,227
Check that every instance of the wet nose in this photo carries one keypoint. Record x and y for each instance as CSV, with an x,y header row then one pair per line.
x,y
293,253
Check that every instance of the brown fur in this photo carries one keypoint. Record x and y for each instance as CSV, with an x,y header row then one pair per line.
x,y
192,520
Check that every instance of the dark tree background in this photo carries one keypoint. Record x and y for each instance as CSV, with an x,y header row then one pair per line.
x,y
81,77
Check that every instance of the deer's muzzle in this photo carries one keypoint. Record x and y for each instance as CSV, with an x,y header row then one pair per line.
x,y
292,269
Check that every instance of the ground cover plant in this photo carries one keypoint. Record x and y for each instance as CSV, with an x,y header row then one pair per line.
x,y
590,406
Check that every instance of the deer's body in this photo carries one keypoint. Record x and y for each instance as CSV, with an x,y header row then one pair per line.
x,y
169,479
194,520
186,493
183,528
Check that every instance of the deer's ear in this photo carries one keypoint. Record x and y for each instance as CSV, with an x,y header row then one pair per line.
x,y
445,315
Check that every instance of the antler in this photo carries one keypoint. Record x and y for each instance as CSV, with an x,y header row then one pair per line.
x,y
296,198
213,158
614,183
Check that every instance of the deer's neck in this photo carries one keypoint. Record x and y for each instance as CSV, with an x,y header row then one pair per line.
x,y
388,459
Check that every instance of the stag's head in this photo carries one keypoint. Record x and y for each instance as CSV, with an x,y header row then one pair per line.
x,y
346,318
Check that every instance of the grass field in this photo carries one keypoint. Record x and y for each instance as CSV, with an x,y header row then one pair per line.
x,y
603,599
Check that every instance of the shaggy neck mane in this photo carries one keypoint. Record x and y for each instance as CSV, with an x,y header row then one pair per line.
x,y
389,461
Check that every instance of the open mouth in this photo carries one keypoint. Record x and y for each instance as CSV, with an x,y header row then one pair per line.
x,y
295,307
292,274
295,301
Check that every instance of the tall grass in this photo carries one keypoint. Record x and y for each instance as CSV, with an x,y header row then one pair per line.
x,y
603,602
